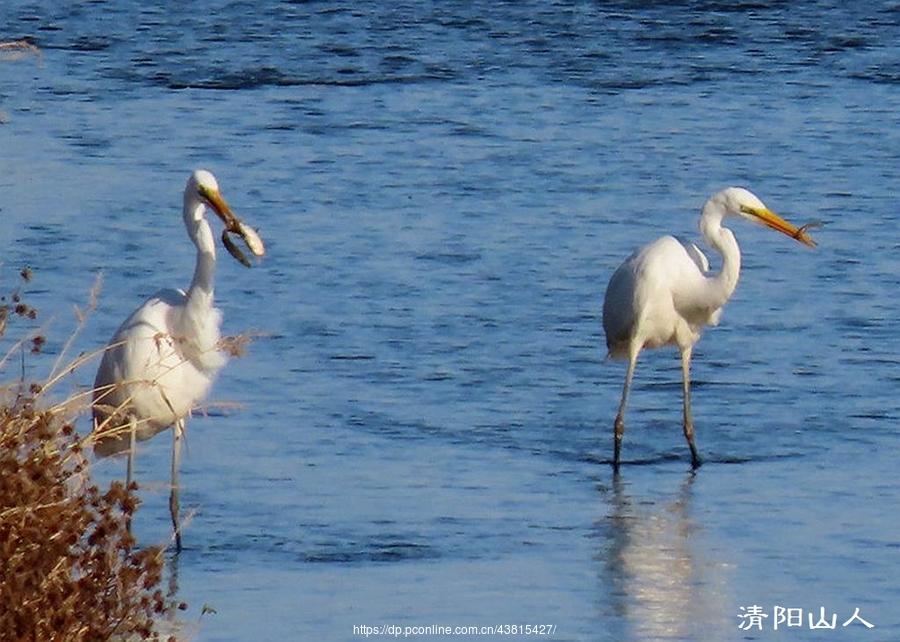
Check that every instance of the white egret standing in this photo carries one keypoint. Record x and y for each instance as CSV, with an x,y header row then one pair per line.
x,y
661,295
161,362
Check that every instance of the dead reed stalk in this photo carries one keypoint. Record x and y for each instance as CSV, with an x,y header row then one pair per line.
x,y
69,568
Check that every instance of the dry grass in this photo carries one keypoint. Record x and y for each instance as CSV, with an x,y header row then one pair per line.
x,y
69,568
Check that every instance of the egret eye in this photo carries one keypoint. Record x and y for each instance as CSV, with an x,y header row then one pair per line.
x,y
205,192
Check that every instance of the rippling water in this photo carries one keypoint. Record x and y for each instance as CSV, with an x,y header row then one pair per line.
x,y
425,421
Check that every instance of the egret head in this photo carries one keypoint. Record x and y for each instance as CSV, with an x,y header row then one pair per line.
x,y
202,188
737,201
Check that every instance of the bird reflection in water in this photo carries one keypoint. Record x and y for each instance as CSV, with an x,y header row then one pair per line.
x,y
661,584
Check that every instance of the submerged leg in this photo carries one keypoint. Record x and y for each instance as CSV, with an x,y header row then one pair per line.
x,y
174,507
688,420
620,415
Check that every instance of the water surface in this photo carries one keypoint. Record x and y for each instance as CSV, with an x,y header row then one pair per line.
x,y
421,432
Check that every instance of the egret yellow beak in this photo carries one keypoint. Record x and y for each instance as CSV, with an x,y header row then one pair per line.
x,y
771,220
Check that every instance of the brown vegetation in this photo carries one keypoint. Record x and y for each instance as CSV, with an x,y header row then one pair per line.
x,y
69,568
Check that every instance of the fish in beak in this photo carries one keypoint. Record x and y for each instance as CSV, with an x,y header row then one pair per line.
x,y
234,225
773,221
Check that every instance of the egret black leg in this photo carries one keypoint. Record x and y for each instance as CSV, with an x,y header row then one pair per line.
x,y
688,420
174,505
129,469
620,415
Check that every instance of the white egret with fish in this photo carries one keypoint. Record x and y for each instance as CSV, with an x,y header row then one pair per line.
x,y
162,361
662,294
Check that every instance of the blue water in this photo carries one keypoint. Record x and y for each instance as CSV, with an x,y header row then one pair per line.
x,y
420,433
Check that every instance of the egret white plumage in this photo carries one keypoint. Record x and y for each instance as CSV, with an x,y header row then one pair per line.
x,y
662,295
162,361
